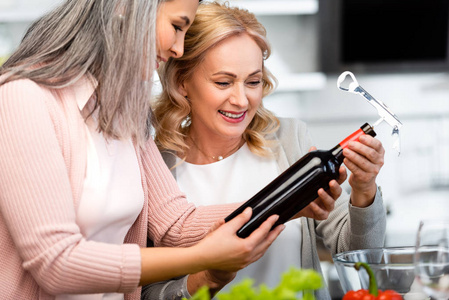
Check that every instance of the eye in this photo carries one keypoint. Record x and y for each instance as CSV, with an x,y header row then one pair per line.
x,y
222,83
254,82
177,28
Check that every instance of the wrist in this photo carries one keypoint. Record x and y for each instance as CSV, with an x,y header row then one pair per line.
x,y
215,284
194,282
363,198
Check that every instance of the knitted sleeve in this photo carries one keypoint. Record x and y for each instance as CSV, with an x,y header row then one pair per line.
x,y
36,201
172,220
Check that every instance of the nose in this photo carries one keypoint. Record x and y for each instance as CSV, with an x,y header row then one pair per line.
x,y
238,96
177,49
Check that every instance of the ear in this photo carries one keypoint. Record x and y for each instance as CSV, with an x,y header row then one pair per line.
x,y
182,89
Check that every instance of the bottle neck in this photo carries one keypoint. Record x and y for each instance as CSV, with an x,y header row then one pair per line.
x,y
337,151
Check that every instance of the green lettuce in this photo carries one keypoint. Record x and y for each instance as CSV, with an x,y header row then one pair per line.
x,y
295,284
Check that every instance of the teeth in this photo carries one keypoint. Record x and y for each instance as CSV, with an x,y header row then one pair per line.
x,y
229,115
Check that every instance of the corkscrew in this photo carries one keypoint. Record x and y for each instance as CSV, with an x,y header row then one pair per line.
x,y
384,112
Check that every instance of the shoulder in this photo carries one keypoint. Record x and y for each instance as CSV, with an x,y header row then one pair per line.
x,y
16,91
291,128
294,138
20,87
24,98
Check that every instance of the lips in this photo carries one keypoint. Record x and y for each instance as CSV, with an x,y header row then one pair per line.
x,y
159,60
232,115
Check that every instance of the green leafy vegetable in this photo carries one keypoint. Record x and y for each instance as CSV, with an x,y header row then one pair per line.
x,y
295,284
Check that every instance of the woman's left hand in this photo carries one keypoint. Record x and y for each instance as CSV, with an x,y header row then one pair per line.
x,y
364,158
320,208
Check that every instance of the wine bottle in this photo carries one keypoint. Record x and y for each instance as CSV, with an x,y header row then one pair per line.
x,y
297,186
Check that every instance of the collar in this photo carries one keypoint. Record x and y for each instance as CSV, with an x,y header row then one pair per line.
x,y
83,90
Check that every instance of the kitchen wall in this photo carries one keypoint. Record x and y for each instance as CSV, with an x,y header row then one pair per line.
x,y
415,183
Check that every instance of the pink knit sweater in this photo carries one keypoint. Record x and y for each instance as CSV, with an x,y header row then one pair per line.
x,y
42,165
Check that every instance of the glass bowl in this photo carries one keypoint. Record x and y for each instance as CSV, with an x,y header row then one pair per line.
x,y
393,268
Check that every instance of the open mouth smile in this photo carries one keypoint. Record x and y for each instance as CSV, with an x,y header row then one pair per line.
x,y
231,115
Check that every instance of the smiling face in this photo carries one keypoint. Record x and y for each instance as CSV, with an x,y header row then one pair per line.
x,y
173,19
225,90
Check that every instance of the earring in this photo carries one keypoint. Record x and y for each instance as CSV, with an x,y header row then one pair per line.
x,y
186,122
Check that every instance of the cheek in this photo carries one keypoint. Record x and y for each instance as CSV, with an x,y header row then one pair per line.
x,y
164,35
206,94
255,99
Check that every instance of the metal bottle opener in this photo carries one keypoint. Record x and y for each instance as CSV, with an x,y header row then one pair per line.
x,y
384,112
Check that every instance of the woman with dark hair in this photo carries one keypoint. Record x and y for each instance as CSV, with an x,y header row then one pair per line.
x,y
82,184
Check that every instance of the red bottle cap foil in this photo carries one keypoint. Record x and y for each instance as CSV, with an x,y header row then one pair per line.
x,y
354,136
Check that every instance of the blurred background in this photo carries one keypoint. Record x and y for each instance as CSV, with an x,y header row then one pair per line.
x,y
398,51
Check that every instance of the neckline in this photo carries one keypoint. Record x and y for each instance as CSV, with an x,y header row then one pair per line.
x,y
227,158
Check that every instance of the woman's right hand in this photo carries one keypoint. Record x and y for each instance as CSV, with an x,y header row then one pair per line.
x,y
223,250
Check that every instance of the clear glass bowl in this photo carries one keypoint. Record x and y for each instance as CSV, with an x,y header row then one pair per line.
x,y
393,268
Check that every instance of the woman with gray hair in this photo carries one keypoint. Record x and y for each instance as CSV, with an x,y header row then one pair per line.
x,y
82,184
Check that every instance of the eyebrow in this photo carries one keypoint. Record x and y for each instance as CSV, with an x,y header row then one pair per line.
x,y
233,75
186,20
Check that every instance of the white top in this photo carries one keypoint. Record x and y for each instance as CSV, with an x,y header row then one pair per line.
x,y
112,195
236,179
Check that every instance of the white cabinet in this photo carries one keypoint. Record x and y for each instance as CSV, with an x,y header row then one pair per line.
x,y
281,7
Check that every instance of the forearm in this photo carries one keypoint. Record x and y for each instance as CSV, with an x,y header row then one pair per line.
x,y
363,198
349,227
186,286
175,289
160,264
368,225
173,221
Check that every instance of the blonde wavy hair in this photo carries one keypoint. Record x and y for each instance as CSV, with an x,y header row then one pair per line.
x,y
214,22
113,41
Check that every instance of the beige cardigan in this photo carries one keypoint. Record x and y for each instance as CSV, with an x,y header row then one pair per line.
x,y
42,165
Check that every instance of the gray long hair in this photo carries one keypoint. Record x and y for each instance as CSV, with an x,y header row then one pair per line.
x,y
113,40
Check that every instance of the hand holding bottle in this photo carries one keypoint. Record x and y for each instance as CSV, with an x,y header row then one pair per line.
x,y
364,158
213,278
222,249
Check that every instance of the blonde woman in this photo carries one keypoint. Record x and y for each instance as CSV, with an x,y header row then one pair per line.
x,y
81,183
223,146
